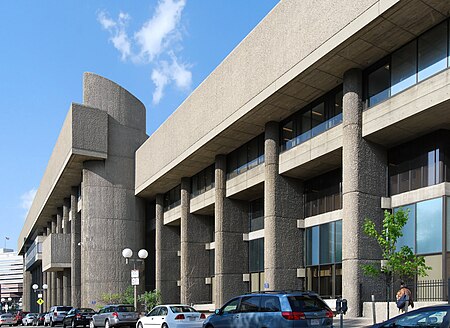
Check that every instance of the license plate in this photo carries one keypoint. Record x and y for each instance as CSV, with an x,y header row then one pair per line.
x,y
191,318
315,322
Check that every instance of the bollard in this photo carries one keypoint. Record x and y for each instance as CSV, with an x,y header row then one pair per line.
x,y
374,315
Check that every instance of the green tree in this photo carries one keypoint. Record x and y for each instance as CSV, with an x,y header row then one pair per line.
x,y
401,263
150,299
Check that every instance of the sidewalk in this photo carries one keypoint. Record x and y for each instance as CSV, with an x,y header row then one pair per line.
x,y
353,322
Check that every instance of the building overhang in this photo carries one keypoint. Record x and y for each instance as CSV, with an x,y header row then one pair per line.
x,y
84,136
244,92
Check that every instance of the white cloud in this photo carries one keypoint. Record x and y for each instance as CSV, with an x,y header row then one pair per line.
x,y
27,198
167,72
118,35
156,34
155,44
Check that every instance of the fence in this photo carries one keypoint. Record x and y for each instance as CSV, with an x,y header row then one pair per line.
x,y
429,290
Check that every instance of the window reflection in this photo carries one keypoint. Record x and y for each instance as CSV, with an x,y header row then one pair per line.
x,y
246,157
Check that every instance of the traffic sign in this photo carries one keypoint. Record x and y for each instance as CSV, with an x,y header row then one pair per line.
x,y
40,301
134,281
134,273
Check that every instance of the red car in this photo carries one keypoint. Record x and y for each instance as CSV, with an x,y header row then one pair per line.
x,y
19,316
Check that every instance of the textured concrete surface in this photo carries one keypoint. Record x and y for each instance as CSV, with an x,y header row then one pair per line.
x,y
56,252
363,165
167,260
231,252
75,250
282,207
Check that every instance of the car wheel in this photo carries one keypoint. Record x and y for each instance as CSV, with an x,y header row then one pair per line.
x,y
52,324
107,324
72,324
164,325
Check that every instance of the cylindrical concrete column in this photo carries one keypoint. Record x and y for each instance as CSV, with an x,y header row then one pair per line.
x,y
66,287
53,289
27,282
363,185
59,220
65,216
194,256
282,207
75,250
45,292
54,224
167,260
59,288
231,252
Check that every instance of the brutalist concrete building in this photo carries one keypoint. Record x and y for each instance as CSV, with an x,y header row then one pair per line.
x,y
327,113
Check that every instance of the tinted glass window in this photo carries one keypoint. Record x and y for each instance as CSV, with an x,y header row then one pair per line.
x,y
429,226
379,84
86,310
125,308
154,312
306,303
327,242
250,304
432,318
231,306
404,65
181,309
256,255
408,238
163,311
270,304
433,51
63,308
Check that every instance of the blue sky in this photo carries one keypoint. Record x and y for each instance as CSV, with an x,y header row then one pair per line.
x,y
159,50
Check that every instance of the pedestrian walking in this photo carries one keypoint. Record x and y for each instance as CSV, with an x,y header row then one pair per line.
x,y
404,298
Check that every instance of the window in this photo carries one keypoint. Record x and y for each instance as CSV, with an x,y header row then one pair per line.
x,y
231,306
256,214
429,226
256,255
246,157
312,120
270,304
250,304
409,233
414,62
172,198
203,181
323,193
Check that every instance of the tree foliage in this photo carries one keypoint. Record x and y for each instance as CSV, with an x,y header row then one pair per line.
x,y
150,299
399,262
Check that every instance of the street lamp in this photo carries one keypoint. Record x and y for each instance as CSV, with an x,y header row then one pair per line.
x,y
127,253
40,300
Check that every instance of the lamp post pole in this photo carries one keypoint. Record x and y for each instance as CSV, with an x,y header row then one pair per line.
x,y
40,290
127,253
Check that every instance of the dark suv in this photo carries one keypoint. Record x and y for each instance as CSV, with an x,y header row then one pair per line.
x,y
273,309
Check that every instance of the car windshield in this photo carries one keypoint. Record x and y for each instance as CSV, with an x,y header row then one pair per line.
x,y
85,310
302,303
63,308
182,309
125,308
7,315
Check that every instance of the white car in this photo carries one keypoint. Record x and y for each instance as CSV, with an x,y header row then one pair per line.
x,y
28,319
173,316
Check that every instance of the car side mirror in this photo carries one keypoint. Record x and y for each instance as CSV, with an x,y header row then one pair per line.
x,y
218,311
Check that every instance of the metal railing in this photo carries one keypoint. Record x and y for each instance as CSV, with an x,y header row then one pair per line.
x,y
430,290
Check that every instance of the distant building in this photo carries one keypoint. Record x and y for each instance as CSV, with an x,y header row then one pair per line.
x,y
11,275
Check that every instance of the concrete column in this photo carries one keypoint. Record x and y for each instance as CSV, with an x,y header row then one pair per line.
x,y
65,216
59,288
53,224
27,290
231,252
59,220
66,287
75,250
112,217
282,207
194,256
364,183
45,292
167,260
53,289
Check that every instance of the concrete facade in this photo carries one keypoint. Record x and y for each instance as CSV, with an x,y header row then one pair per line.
x,y
295,147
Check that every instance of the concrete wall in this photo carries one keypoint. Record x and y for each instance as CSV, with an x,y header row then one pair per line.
x,y
288,41
56,252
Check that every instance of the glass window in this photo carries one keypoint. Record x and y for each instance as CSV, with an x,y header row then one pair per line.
x,y
404,66
432,51
270,304
256,214
408,238
327,243
314,245
256,255
338,247
379,84
431,318
318,118
429,226
448,225
231,306
250,304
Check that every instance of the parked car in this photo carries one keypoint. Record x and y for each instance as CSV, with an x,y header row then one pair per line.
x,y
428,316
7,319
56,315
273,309
78,317
28,319
19,316
114,316
39,319
172,316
